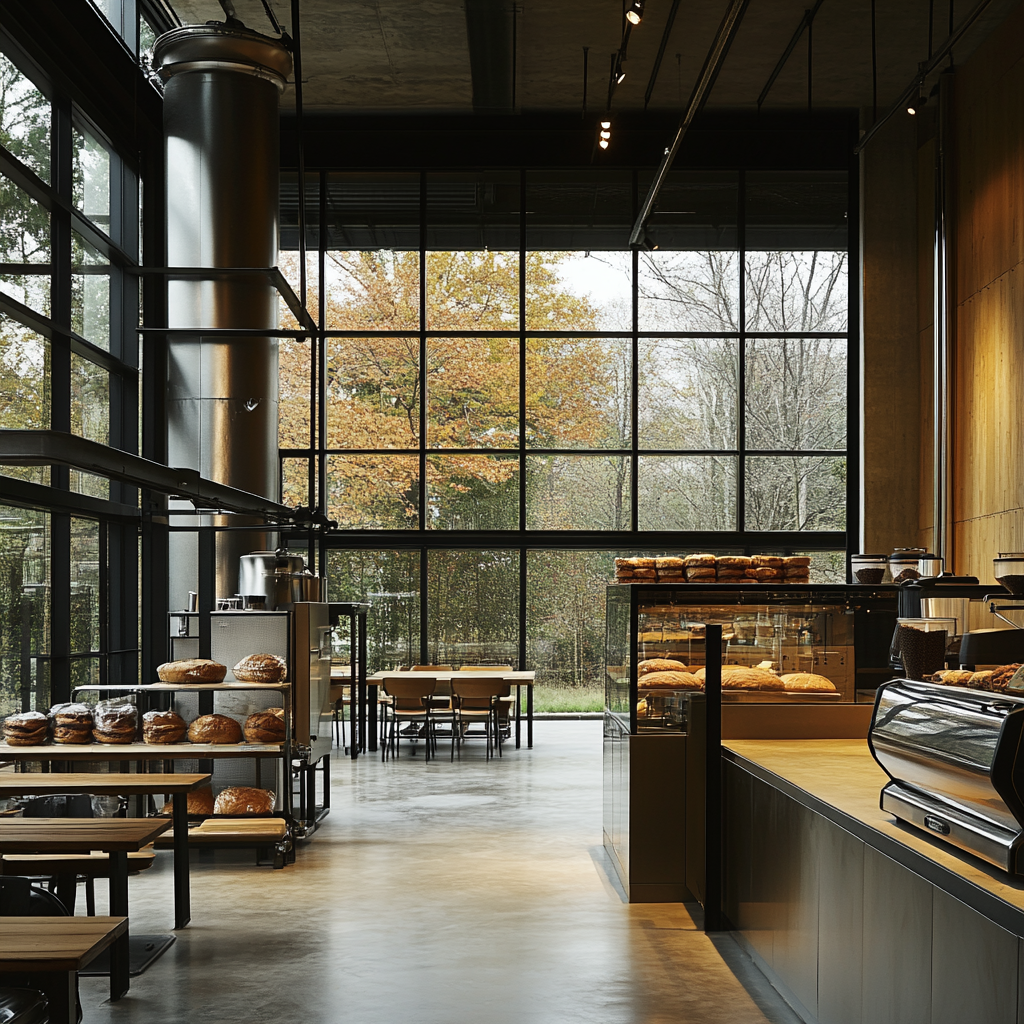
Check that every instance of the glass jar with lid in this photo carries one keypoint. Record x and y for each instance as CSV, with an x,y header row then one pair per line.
x,y
904,564
868,568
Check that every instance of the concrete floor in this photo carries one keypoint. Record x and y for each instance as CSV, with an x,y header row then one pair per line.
x,y
442,893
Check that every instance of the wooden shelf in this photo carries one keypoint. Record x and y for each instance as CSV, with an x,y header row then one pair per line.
x,y
137,751
204,687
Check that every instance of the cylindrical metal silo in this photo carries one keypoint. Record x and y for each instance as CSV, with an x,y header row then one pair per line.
x,y
222,86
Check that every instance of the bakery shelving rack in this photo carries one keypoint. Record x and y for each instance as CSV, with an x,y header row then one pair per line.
x,y
166,754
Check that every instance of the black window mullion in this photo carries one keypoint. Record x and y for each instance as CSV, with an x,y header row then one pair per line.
x,y
108,563
634,384
522,355
424,607
741,355
320,410
60,282
423,378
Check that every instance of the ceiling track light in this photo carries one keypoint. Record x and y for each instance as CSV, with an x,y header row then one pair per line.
x,y
635,12
620,74
604,134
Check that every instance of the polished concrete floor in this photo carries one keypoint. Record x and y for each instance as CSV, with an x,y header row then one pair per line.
x,y
447,893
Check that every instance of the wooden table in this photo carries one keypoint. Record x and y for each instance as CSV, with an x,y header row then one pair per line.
x,y
115,784
518,679
116,837
57,948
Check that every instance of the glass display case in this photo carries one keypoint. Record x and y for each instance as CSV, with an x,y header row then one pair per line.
x,y
835,634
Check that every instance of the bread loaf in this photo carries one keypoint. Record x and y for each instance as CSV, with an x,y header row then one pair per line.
x,y
260,668
163,727
739,677
659,665
766,562
115,723
26,729
669,681
953,677
72,723
215,729
191,670
244,800
198,802
808,682
265,727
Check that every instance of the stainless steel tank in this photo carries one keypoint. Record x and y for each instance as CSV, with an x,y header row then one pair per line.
x,y
222,86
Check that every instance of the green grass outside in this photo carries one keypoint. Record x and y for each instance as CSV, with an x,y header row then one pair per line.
x,y
548,698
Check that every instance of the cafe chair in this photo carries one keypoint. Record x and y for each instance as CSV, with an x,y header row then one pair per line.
x,y
508,702
339,697
410,702
477,700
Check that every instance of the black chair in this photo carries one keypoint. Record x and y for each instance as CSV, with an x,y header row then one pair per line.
x,y
23,1006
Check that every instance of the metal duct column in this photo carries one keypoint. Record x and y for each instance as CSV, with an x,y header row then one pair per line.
x,y
222,86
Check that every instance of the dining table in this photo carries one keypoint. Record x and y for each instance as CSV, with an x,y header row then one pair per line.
x,y
367,713
177,785
117,837
55,949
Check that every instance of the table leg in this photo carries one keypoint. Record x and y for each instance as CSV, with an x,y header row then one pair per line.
x,y
182,898
371,699
529,714
519,712
61,988
67,890
119,908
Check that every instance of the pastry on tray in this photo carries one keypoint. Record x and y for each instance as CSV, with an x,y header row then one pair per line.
x,y
191,670
72,723
26,729
260,668
670,681
659,665
115,723
265,726
739,677
808,682
163,727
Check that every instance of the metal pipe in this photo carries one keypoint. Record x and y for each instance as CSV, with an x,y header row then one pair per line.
x,y
222,87
805,23
712,64
943,330
928,67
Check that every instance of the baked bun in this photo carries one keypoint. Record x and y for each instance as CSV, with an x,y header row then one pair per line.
x,y
163,727
191,670
1002,675
733,562
767,562
953,677
26,729
198,802
738,677
761,573
980,681
265,727
260,668
72,723
808,682
215,729
659,665
669,563
115,723
670,681
796,562
244,800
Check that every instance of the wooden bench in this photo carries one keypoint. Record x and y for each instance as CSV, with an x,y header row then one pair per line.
x,y
235,832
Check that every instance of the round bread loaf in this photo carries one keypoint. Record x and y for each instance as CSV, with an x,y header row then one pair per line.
x,y
265,727
244,800
198,802
215,729
71,714
260,668
115,723
163,727
808,682
659,665
670,681
191,670
72,734
26,729
739,677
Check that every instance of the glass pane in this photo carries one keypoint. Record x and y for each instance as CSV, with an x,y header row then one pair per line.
x,y
826,566
797,291
24,609
24,378
565,627
366,210
473,492
578,392
24,240
373,492
473,607
796,393
24,119
473,291
688,393
90,178
90,400
688,291
295,483
579,291
290,266
85,585
473,392
686,492
577,492
293,393
147,39
390,582
373,392
792,493
374,290
90,292
578,211
796,236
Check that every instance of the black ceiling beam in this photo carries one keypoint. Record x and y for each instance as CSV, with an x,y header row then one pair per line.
x,y
489,35
25,494
805,22
775,141
661,52
55,447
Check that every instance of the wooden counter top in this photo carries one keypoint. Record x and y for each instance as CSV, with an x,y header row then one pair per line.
x,y
841,780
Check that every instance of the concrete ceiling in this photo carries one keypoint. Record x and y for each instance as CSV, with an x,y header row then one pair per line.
x,y
408,56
